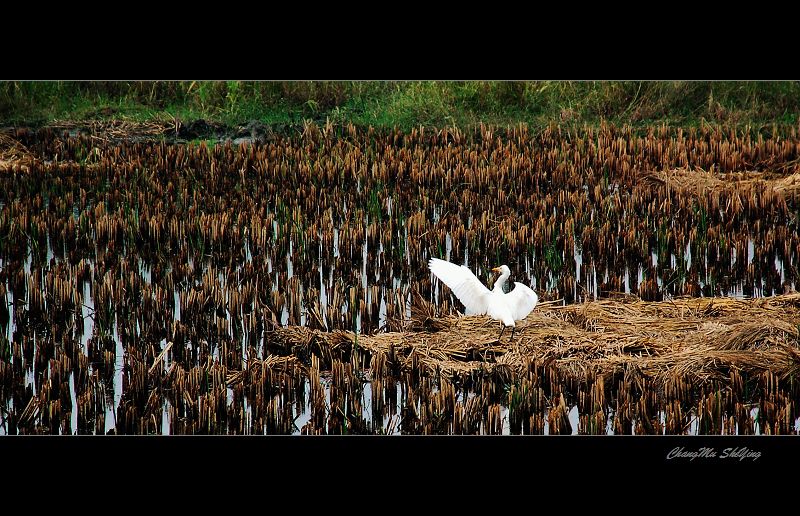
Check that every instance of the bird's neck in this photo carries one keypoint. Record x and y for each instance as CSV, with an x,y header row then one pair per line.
x,y
498,285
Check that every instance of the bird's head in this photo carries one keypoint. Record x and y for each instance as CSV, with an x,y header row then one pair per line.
x,y
503,269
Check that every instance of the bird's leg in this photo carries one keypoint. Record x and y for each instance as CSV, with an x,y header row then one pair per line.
x,y
503,328
513,329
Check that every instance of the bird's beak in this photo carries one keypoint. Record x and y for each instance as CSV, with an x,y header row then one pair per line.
x,y
496,269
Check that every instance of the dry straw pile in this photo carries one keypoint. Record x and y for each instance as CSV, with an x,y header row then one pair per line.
x,y
697,339
701,365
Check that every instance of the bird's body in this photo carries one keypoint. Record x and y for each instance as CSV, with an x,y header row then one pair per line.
x,y
477,299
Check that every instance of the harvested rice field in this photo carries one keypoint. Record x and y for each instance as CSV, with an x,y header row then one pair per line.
x,y
279,284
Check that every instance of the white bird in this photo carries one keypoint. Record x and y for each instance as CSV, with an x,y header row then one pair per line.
x,y
514,306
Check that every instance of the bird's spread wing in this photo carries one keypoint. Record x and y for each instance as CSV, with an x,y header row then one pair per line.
x,y
467,288
522,300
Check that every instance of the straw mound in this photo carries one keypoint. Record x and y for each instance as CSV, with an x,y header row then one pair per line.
x,y
698,181
14,156
117,129
699,339
17,158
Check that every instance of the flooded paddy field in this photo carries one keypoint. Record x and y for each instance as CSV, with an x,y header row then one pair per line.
x,y
281,286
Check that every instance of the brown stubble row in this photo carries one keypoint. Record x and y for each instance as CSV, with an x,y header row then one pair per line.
x,y
137,222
